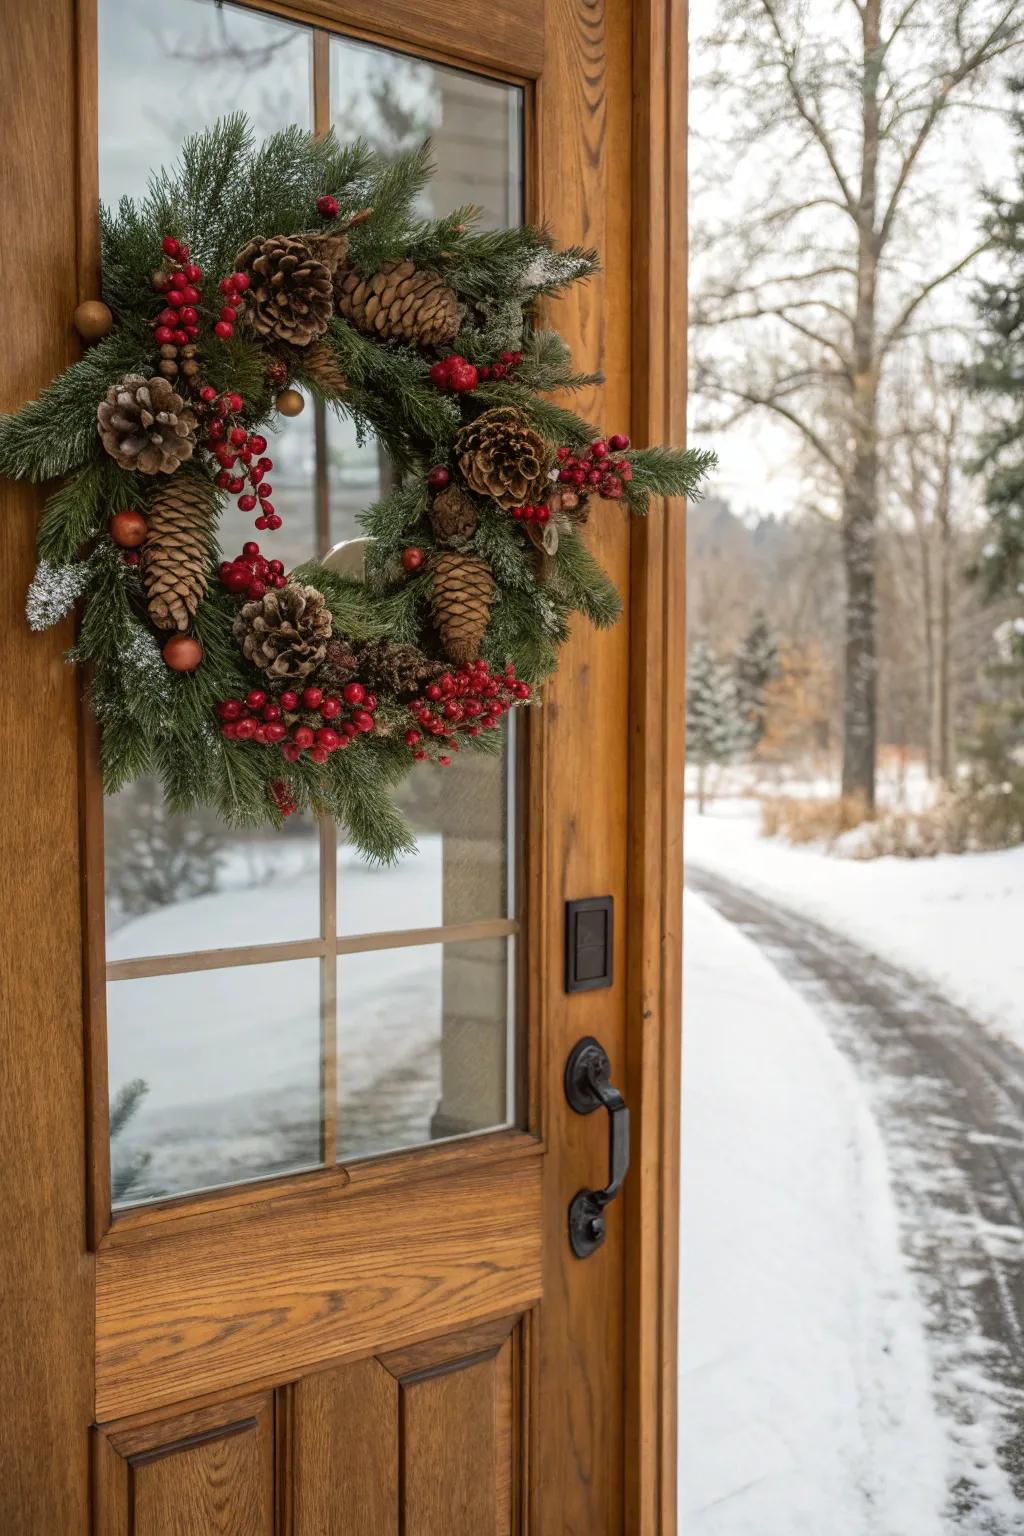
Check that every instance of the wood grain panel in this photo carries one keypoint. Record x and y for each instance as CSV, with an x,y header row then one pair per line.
x,y
267,1292
345,1452
457,1448
210,1471
45,1271
582,169
505,35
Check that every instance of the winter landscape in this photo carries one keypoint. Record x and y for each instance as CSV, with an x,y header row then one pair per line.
x,y
852,1307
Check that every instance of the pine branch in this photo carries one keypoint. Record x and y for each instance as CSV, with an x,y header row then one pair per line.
x,y
583,585
667,472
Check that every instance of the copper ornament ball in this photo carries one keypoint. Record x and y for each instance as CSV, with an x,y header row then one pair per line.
x,y
182,653
290,403
92,319
128,529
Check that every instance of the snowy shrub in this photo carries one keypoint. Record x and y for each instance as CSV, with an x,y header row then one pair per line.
x,y
810,820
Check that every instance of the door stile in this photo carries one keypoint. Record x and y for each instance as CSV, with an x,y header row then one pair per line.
x,y
657,749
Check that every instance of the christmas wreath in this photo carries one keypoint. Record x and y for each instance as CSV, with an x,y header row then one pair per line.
x,y
248,270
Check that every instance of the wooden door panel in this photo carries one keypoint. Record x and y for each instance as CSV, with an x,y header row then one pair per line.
x,y
209,1471
199,1305
424,1440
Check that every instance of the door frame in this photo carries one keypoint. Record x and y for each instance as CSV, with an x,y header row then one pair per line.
x,y
47,1272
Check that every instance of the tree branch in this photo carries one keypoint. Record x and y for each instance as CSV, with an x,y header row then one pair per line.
x,y
912,305
814,123
750,400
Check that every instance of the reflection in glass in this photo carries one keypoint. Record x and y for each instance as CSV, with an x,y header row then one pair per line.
x,y
423,1045
220,1073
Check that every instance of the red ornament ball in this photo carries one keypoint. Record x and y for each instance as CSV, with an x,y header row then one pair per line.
x,y
618,441
413,558
182,653
463,378
438,478
353,693
128,529
327,206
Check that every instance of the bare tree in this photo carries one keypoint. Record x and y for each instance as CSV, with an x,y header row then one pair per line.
x,y
833,240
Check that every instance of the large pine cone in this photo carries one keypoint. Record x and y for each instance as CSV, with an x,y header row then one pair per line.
x,y
286,632
400,302
461,600
176,554
290,296
145,425
453,515
501,456
394,668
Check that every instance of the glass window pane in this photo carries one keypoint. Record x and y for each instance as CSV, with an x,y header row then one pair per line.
x,y
216,1105
423,1045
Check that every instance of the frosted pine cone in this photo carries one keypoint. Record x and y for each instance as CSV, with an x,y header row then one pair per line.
x,y
286,632
145,424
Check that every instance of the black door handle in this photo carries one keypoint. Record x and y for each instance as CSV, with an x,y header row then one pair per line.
x,y
588,1087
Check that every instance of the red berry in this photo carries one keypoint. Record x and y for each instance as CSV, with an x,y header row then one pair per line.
x,y
246,503
256,589
626,472
619,441
438,478
187,315
611,488
320,754
236,484
223,479
412,558
240,280
290,751
275,568
208,393
223,330
193,273
230,709
330,708
257,442
226,284
170,245
599,449
236,579
236,300
594,476
163,334
215,429
432,691
498,371
289,699
362,721
349,729
255,698
264,491
131,557
245,728
463,378
263,464
276,730
327,206
444,761
508,357
325,737
179,280
227,314
273,523
190,295
440,375
238,436
420,755
302,736
227,730
183,250
412,737
250,549
261,523
311,697
353,693
179,337
543,514
370,703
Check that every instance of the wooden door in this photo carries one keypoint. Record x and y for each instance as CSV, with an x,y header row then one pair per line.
x,y
388,1333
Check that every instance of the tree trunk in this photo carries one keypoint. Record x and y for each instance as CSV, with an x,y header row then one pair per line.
x,y
860,499
943,701
702,787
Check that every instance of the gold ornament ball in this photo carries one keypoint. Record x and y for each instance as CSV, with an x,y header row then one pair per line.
x,y
92,319
128,529
290,403
182,653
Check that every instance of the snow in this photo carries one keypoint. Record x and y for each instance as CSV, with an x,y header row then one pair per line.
x,y
805,1405
955,920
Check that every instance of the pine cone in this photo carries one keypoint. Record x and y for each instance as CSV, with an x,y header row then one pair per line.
x,y
501,456
286,632
461,600
176,554
289,296
453,515
340,664
394,668
145,425
400,302
321,363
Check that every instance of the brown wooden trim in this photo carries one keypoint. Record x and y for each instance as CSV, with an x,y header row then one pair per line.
x,y
329,992
657,661
397,1170
321,81
450,1352
486,40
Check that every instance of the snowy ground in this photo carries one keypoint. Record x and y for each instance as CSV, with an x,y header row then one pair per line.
x,y
956,920
805,1402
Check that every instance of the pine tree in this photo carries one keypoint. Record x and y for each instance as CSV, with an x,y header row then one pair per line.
x,y
998,375
756,664
716,730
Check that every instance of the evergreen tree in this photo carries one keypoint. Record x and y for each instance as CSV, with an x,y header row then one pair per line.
x,y
756,665
998,374
716,729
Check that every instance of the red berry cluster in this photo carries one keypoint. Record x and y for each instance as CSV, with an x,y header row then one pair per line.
x,y
327,206
240,455
455,374
178,321
327,723
595,470
249,574
282,797
503,367
532,514
233,288
472,700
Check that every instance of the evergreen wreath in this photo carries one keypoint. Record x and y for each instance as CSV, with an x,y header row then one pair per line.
x,y
245,271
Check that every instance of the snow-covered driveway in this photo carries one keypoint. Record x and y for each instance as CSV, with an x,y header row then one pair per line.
x,y
853,1269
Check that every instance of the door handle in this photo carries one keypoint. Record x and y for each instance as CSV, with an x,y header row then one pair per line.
x,y
588,1086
